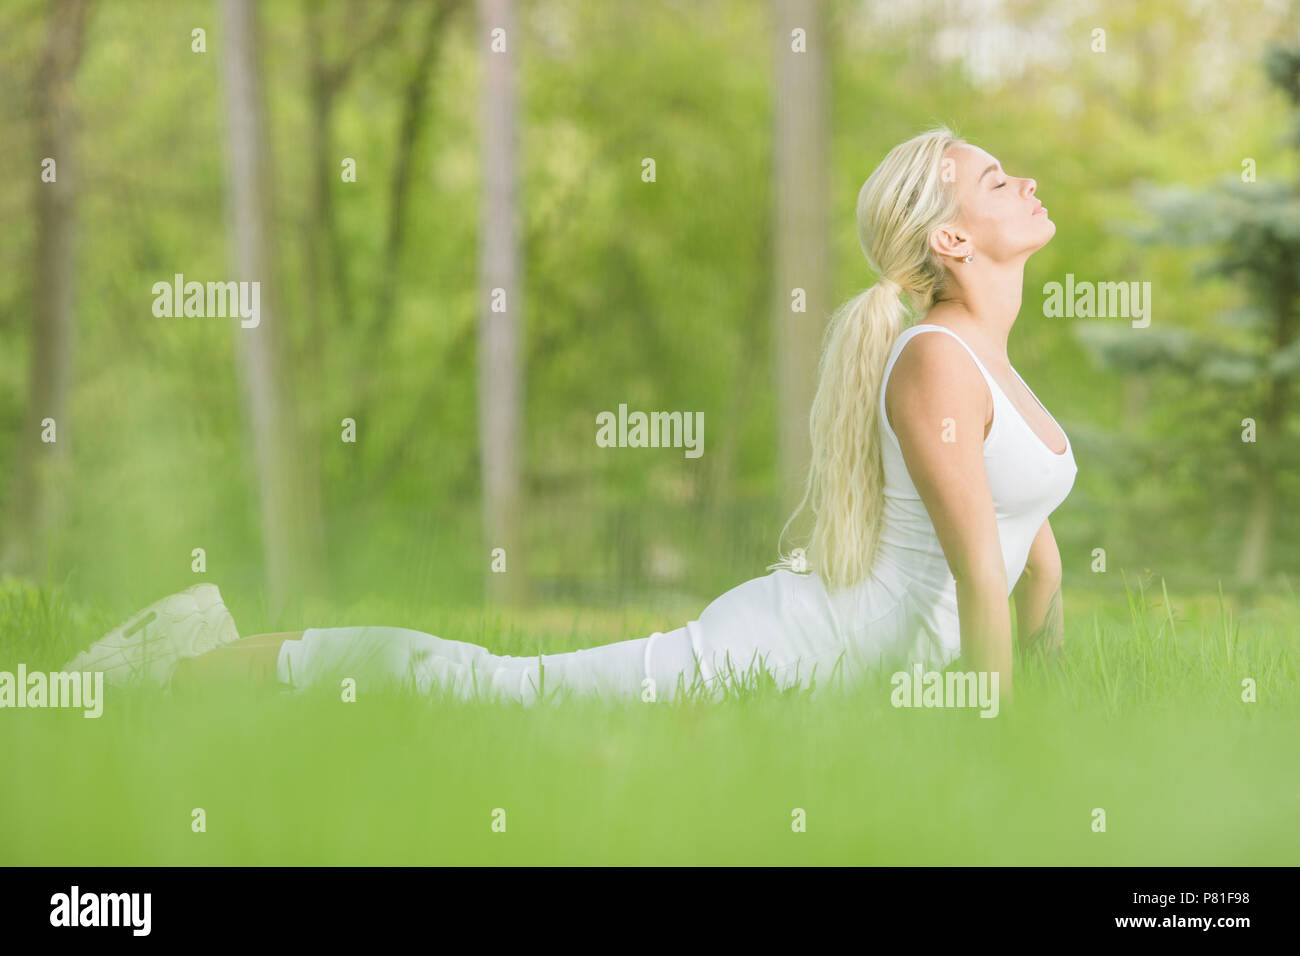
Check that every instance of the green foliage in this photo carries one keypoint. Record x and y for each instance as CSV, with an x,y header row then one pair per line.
x,y
656,295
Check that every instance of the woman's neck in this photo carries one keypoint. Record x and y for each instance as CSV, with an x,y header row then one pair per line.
x,y
987,299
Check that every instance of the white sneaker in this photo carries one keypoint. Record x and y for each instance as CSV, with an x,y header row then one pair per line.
x,y
148,646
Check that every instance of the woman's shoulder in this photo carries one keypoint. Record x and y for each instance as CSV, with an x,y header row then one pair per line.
x,y
935,361
935,376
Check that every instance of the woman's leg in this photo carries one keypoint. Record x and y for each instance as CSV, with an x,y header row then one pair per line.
x,y
653,668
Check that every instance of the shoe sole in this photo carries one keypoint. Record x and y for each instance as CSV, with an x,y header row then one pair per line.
x,y
135,649
126,651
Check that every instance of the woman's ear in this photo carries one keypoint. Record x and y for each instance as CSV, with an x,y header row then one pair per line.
x,y
951,242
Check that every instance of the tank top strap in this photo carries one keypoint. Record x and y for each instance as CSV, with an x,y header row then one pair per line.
x,y
912,330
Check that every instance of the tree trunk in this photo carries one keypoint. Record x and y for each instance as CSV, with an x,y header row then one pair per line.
x,y
500,372
413,121
1252,559
289,502
35,511
802,247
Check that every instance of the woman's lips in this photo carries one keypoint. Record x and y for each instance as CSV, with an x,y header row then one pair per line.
x,y
1040,211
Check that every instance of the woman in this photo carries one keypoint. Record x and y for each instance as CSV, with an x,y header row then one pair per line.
x,y
934,470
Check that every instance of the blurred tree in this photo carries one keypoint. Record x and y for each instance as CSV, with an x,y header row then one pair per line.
x,y
288,493
1254,227
327,76
414,119
34,506
500,371
802,234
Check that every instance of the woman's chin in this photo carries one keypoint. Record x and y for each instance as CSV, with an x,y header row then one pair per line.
x,y
1049,231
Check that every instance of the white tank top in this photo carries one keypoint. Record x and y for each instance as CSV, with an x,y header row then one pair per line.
x,y
1026,478
906,610
1027,481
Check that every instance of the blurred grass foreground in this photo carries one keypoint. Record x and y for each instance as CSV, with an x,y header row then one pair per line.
x,y
1175,721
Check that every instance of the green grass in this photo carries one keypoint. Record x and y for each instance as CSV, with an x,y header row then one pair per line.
x,y
1142,717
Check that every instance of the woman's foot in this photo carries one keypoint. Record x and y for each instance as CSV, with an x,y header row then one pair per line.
x,y
147,647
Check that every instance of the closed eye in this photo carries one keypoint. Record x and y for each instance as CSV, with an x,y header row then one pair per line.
x,y
999,185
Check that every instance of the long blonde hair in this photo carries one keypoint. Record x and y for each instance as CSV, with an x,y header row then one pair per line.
x,y
902,201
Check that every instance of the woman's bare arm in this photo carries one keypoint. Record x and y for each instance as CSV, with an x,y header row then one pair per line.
x,y
1040,617
938,404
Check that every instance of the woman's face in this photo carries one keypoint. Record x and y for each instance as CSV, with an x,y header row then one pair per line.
x,y
1000,217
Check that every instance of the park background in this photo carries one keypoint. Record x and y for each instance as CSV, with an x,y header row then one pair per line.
x,y
666,295
1163,137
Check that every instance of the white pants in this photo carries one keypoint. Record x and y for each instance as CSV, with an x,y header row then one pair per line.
x,y
783,625
654,668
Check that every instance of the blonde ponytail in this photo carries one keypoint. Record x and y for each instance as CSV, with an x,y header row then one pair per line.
x,y
902,201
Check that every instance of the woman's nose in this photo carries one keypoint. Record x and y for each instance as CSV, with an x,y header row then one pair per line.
x,y
1032,186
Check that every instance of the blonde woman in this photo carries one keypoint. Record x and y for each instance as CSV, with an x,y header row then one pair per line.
x,y
934,471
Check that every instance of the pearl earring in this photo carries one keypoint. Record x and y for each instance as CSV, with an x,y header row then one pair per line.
x,y
968,259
